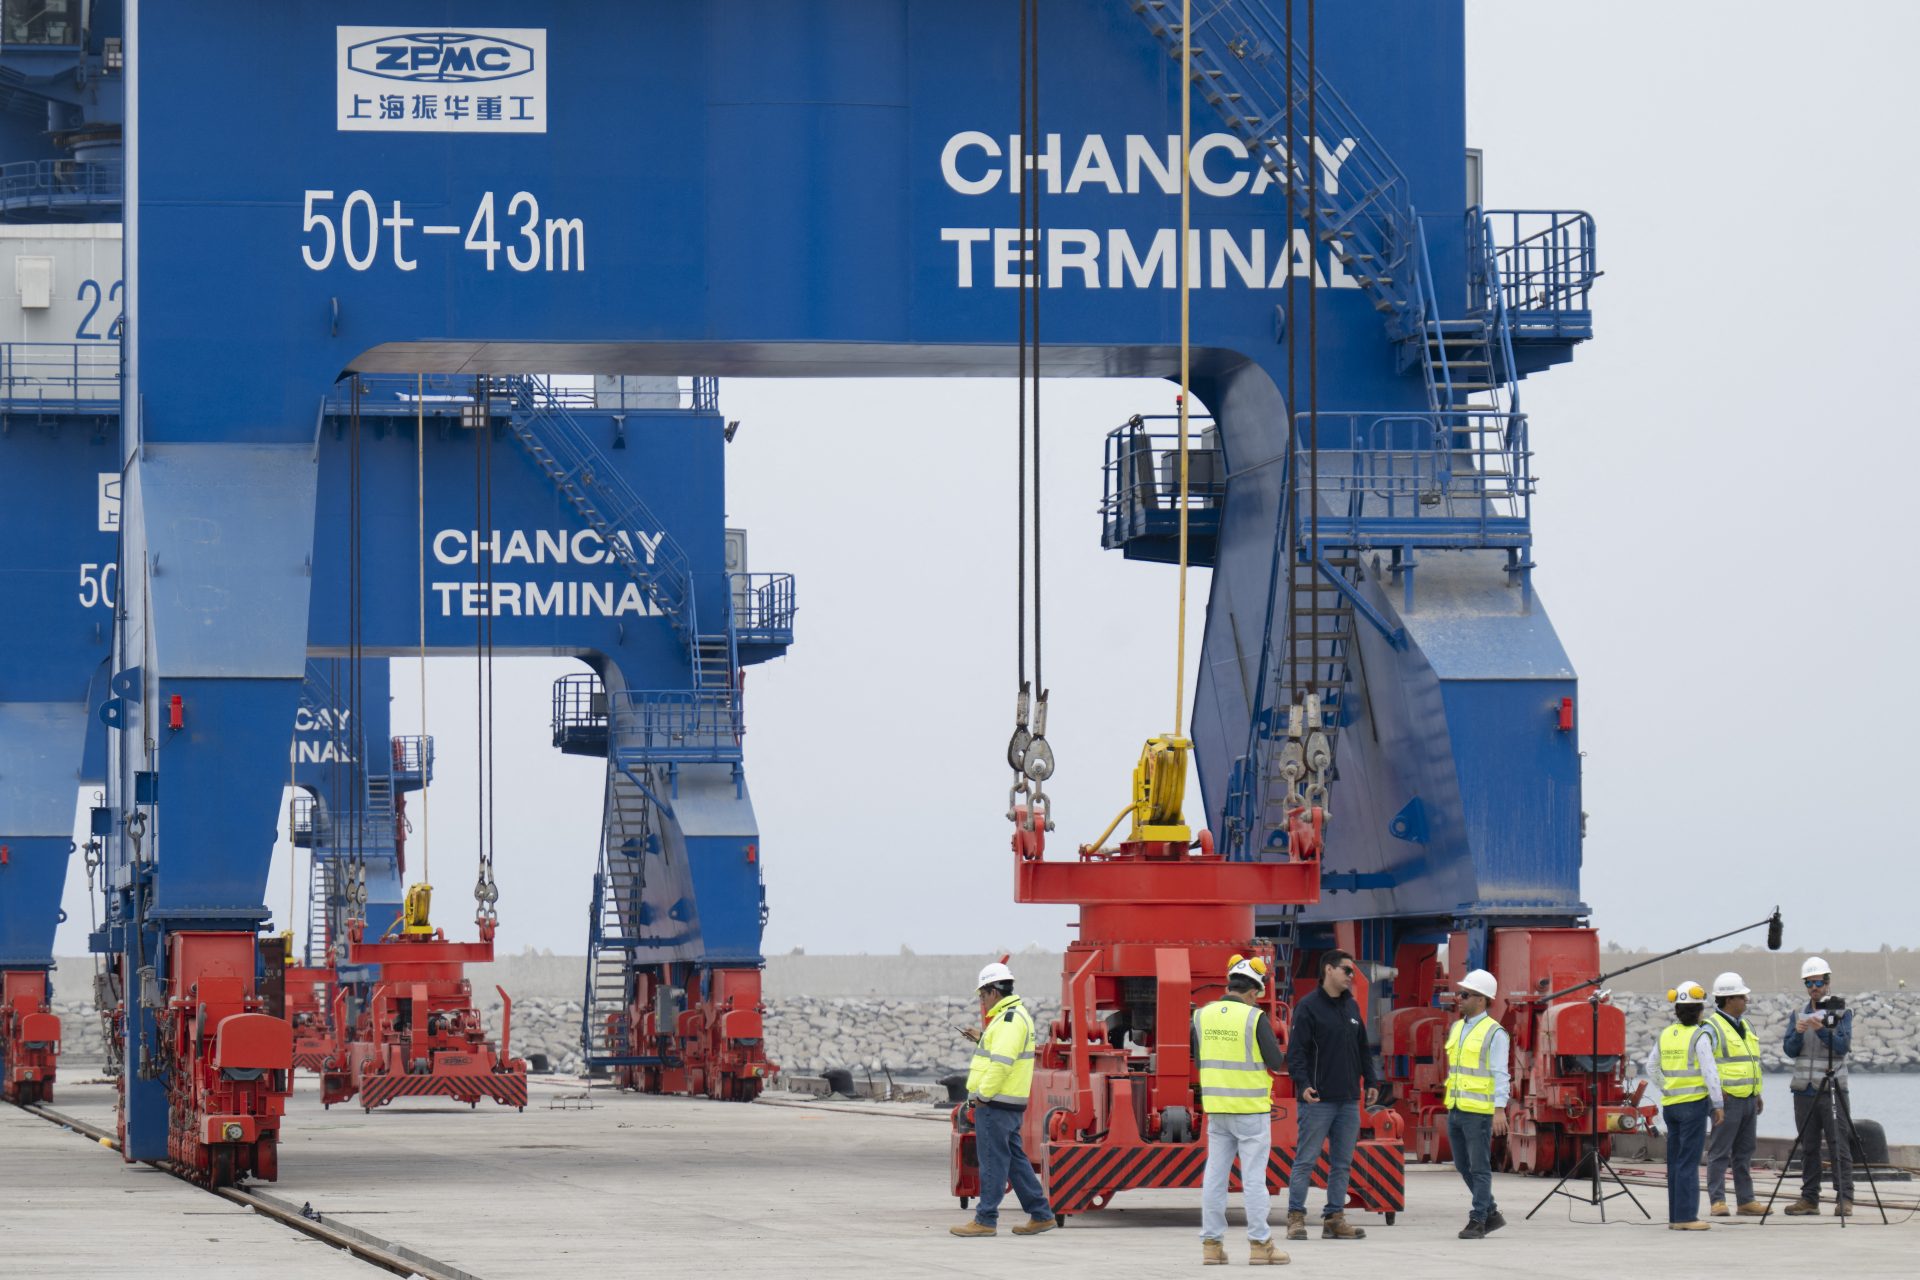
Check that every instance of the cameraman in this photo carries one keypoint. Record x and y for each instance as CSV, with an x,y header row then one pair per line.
x,y
1832,1027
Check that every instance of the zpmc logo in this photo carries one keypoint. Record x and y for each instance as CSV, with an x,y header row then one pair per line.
x,y
441,57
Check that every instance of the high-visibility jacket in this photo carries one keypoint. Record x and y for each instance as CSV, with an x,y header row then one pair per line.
x,y
1469,1070
1233,1079
1002,1069
1737,1054
1680,1077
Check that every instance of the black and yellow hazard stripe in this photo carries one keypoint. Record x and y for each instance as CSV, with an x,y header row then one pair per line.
x,y
1079,1173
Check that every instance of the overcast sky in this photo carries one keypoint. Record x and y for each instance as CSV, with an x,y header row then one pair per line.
x,y
1723,526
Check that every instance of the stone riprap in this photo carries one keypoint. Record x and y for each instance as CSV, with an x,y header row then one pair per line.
x,y
920,1038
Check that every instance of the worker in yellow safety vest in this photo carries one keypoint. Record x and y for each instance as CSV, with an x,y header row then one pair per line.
x,y
1478,1080
1682,1061
1236,1055
998,1084
1736,1055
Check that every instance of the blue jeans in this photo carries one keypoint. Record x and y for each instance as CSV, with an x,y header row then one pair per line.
x,y
1336,1125
1248,1138
1686,1139
996,1141
1470,1134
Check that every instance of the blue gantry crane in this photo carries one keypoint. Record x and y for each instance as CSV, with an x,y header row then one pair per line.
x,y
1367,475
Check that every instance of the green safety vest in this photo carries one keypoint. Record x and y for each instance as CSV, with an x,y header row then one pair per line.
x,y
1469,1072
1679,1050
1002,1068
1737,1054
1233,1079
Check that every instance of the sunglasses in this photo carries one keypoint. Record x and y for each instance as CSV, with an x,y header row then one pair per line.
x,y
1345,968
1815,982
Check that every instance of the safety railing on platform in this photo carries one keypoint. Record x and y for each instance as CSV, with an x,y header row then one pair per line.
x,y
413,755
60,377
1541,263
307,824
659,726
579,709
763,607
1454,479
57,185
403,394
1140,478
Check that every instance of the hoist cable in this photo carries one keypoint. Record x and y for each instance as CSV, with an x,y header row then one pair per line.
x,y
420,503
1032,131
1313,352
1020,499
1186,347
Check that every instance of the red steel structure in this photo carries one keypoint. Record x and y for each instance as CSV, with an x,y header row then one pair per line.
x,y
1115,1091
310,1000
1569,1058
228,1064
29,1037
716,1048
419,1034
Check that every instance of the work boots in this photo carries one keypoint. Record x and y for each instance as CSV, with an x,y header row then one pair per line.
x,y
1803,1209
1213,1253
1334,1227
1034,1226
1695,1225
1261,1253
1843,1209
1753,1209
1296,1224
973,1227
1719,1209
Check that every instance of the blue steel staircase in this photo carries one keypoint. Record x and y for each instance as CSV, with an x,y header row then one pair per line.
x,y
1455,476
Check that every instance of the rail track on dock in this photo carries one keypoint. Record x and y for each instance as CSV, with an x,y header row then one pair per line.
x,y
389,1255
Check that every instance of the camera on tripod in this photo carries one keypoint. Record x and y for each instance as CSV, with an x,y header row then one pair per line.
x,y
1830,1010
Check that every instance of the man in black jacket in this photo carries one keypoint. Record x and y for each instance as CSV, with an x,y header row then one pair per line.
x,y
1328,1056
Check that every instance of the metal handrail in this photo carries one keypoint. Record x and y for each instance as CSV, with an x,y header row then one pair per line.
x,y
60,376
762,602
1455,476
668,724
413,753
1141,469
60,182
1544,264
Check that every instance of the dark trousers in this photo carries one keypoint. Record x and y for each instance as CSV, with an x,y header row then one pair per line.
x,y
996,1141
1471,1137
1731,1147
1686,1139
1830,1126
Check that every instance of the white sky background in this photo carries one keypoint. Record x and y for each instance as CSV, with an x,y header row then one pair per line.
x,y
1720,528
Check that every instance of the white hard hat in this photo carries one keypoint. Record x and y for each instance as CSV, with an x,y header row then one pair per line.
x,y
1814,967
1252,968
1729,984
1482,982
1688,992
995,972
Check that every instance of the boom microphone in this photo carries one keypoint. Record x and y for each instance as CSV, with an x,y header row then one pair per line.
x,y
1774,926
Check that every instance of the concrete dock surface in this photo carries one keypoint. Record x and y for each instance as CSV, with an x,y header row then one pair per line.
x,y
622,1184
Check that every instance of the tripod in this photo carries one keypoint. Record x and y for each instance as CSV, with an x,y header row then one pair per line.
x,y
1827,1095
1591,1158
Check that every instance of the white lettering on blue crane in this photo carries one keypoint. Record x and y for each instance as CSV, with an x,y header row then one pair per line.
x,y
484,80
352,230
974,163
560,598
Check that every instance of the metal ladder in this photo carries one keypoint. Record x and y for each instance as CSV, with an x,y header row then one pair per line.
x,y
319,912
593,486
613,924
